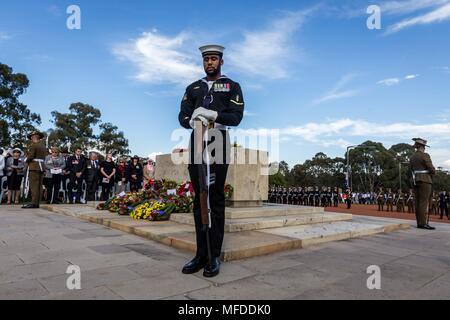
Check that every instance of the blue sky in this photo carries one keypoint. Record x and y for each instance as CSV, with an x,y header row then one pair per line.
x,y
312,70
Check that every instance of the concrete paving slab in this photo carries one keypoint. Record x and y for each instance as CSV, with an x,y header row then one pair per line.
x,y
169,284
22,290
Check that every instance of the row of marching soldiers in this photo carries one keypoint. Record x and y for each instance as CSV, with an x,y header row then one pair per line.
x,y
305,196
389,199
73,178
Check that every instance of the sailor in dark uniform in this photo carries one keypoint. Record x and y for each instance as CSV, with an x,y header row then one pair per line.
x,y
317,195
217,101
335,197
311,196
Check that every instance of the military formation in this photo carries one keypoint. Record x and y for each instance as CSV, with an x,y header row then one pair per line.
x,y
398,201
306,196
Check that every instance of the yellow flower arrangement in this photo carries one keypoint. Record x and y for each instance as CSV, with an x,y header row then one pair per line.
x,y
143,211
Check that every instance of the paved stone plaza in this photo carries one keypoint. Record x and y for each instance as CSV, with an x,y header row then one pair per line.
x,y
37,246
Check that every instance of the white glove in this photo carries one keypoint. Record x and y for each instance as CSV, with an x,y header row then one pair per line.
x,y
202,119
205,113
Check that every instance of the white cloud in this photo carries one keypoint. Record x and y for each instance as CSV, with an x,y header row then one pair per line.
x,y
335,93
438,15
443,115
269,52
39,57
4,36
447,164
394,81
409,6
389,82
153,155
249,114
162,59
411,76
344,132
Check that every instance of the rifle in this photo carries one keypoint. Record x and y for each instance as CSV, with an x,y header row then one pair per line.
x,y
203,176
25,186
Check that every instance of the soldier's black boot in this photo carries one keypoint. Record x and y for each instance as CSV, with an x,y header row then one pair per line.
x,y
426,227
195,265
30,206
212,269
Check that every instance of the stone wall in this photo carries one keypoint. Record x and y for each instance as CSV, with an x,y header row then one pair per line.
x,y
247,174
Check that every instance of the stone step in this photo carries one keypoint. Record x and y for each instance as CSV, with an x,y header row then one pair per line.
x,y
250,224
248,244
238,245
269,210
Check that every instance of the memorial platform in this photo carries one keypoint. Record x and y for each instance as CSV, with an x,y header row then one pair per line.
x,y
249,232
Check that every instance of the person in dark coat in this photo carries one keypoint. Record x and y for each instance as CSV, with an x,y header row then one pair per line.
x,y
76,166
107,173
135,174
121,176
15,171
92,176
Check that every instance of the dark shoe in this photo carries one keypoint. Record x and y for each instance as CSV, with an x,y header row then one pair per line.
x,y
195,265
212,269
426,227
30,206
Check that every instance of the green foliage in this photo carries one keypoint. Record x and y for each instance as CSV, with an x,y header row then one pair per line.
x,y
76,127
16,120
277,179
112,140
371,166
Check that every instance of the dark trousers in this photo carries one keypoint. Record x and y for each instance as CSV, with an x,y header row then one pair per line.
x,y
135,186
106,191
75,183
422,192
444,210
217,204
92,186
53,188
349,203
64,181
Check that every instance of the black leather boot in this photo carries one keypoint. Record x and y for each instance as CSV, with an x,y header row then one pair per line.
x,y
212,269
426,227
195,265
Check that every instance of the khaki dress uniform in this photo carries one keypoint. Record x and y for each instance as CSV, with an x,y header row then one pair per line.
x,y
421,165
35,158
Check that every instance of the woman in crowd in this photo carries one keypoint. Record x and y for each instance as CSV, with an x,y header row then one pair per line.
x,y
149,170
121,176
2,164
14,170
135,174
107,173
54,165
2,167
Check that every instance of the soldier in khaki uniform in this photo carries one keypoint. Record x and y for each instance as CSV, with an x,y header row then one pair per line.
x,y
422,170
400,202
35,158
390,201
380,200
410,201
